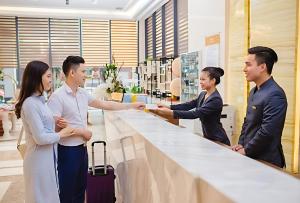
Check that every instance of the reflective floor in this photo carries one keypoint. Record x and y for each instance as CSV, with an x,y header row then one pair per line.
x,y
11,171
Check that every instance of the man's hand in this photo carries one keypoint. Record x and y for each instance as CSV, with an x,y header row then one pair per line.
x,y
242,151
138,105
86,134
237,147
61,122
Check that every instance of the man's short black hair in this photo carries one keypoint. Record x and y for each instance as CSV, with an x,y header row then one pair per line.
x,y
71,62
264,55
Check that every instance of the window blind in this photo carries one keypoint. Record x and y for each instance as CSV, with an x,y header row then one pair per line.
x,y
33,40
182,27
149,37
169,22
124,43
8,45
158,25
95,42
65,39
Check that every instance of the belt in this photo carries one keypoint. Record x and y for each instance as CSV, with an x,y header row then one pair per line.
x,y
77,146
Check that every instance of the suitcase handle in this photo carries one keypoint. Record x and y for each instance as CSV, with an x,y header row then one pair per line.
x,y
100,142
93,156
122,146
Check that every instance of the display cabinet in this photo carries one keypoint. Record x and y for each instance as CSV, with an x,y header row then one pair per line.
x,y
190,69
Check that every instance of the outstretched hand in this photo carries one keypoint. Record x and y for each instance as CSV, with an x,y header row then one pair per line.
x,y
165,111
138,105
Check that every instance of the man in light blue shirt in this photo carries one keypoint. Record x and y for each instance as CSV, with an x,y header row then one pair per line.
x,y
71,102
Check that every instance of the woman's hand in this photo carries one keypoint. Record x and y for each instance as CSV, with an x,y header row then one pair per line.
x,y
66,132
165,111
61,122
161,105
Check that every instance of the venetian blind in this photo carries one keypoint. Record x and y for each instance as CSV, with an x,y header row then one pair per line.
x,y
169,28
149,37
33,40
182,27
65,39
158,25
95,42
124,43
8,45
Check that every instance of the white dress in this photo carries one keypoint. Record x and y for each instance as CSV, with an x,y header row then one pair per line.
x,y
41,183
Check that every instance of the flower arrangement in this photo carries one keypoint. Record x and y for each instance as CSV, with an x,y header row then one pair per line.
x,y
15,84
111,78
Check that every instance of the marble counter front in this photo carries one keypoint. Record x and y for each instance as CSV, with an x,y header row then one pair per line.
x,y
163,163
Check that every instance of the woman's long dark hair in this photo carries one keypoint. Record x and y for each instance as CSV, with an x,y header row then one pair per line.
x,y
31,82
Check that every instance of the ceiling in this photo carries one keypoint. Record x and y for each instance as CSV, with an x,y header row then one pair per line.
x,y
102,9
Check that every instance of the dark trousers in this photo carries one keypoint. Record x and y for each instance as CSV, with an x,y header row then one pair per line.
x,y
72,173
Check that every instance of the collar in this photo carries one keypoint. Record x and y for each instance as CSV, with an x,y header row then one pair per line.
x,y
210,96
265,84
69,90
42,98
270,80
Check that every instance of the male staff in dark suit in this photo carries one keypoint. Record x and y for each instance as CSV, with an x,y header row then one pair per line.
x,y
267,104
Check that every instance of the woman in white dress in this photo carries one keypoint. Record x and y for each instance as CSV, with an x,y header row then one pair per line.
x,y
40,175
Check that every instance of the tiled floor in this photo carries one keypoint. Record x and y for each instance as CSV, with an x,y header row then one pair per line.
x,y
11,164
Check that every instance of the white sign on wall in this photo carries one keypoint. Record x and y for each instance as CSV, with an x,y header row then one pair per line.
x,y
212,51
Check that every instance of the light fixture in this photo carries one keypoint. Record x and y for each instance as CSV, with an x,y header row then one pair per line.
x,y
94,1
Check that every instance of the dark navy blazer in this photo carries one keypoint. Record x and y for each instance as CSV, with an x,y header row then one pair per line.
x,y
209,113
263,125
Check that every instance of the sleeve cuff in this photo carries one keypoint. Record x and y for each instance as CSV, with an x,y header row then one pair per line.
x,y
57,138
175,114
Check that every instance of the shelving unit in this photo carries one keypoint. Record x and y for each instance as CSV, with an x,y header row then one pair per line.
x,y
156,76
190,69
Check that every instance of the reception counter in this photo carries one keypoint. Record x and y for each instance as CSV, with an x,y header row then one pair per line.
x,y
158,162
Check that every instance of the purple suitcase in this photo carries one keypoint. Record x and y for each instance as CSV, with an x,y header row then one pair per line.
x,y
100,181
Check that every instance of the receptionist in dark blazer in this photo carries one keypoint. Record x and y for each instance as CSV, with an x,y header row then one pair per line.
x,y
267,104
207,107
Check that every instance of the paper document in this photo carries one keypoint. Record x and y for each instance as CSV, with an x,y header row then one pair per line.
x,y
151,106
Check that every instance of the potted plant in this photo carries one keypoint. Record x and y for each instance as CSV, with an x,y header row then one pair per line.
x,y
113,82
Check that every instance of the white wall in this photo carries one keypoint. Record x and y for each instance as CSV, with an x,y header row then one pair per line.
x,y
206,18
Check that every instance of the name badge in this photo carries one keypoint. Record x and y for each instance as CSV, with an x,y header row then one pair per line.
x,y
254,107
